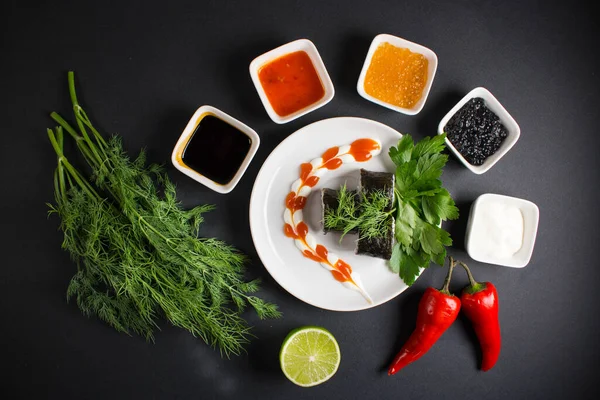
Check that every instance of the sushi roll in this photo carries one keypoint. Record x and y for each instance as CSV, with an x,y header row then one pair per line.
x,y
369,182
372,181
329,202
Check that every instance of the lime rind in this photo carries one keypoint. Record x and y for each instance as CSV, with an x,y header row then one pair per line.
x,y
309,356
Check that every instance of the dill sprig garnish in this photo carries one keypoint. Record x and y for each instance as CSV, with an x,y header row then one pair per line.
x,y
137,251
366,213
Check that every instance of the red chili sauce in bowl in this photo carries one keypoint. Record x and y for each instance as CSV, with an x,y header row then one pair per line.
x,y
291,83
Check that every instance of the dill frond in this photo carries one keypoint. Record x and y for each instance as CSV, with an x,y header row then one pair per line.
x,y
138,253
366,213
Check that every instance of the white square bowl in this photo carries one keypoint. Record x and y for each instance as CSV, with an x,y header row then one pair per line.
x,y
507,120
415,48
186,136
530,213
291,47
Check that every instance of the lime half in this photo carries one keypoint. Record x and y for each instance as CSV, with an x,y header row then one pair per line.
x,y
309,356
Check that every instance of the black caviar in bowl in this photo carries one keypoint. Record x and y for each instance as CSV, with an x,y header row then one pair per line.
x,y
475,131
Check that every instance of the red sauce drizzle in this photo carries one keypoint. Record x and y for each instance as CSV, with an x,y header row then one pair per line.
x,y
361,151
302,229
305,169
311,255
289,231
312,181
294,203
343,271
322,251
330,153
289,200
334,163
299,203
338,276
343,267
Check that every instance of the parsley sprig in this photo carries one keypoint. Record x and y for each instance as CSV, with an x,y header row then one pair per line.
x,y
421,204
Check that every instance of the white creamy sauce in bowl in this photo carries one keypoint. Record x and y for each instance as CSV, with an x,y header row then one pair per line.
x,y
498,230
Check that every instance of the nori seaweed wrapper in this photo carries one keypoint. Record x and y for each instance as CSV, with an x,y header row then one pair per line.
x,y
369,182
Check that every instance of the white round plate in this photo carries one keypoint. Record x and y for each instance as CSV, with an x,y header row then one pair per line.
x,y
302,277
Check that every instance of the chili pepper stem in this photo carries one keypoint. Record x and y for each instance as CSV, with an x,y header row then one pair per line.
x,y
445,288
474,285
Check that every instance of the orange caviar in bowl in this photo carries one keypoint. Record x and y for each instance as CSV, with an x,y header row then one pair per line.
x,y
396,76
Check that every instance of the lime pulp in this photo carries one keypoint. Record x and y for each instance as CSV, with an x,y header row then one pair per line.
x,y
309,356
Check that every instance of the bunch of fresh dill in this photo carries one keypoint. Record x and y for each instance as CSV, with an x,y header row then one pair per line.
x,y
138,254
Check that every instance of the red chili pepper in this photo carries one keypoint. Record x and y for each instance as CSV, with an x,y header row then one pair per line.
x,y
438,309
480,305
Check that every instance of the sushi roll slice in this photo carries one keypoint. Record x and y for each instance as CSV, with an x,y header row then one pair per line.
x,y
369,182
329,202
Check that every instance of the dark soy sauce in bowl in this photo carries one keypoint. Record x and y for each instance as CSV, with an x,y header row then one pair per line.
x,y
216,149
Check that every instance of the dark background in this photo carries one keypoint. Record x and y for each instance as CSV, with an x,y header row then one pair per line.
x,y
142,70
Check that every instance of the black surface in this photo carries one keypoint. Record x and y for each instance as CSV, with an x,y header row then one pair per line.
x,y
144,67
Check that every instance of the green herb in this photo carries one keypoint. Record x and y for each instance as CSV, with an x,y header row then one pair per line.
x,y
421,204
137,251
368,215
